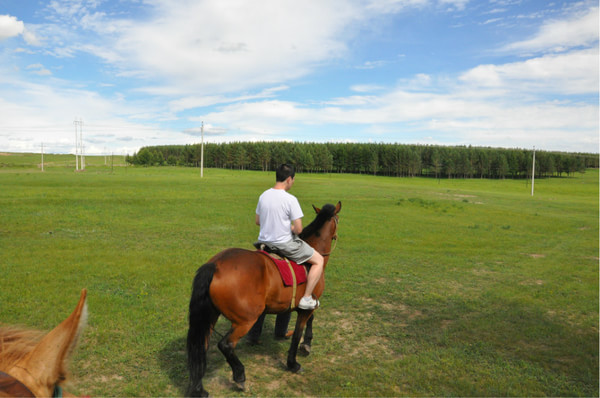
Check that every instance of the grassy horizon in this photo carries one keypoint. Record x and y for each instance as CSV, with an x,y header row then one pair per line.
x,y
436,287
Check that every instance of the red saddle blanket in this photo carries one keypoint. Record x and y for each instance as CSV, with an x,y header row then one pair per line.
x,y
284,270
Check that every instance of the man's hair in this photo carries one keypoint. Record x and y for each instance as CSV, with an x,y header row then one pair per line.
x,y
284,171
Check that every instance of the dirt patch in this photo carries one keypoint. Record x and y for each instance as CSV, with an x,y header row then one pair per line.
x,y
405,310
482,272
535,255
106,379
346,324
532,282
446,324
275,385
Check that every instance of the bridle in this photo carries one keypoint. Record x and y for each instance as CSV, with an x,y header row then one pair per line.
x,y
335,236
13,387
16,388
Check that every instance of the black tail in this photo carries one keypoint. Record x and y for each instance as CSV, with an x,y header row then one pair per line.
x,y
203,315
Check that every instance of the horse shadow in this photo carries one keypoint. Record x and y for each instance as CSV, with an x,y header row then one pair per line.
x,y
172,358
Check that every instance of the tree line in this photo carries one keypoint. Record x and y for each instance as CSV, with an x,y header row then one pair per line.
x,y
377,159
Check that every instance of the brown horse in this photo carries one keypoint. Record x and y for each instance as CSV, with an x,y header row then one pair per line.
x,y
241,285
35,366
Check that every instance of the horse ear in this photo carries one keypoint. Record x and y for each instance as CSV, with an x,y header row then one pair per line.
x,y
317,210
45,365
338,207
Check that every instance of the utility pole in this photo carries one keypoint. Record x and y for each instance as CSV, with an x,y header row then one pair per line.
x,y
42,156
533,172
202,152
76,123
79,144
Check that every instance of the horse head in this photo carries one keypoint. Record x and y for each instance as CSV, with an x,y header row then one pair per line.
x,y
40,369
323,230
333,215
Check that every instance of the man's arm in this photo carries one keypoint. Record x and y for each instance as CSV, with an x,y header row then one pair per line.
x,y
257,220
297,226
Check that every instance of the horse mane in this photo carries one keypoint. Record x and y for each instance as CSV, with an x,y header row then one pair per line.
x,y
315,226
16,343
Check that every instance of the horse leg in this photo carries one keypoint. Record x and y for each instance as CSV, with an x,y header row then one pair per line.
x,y
227,346
292,364
305,346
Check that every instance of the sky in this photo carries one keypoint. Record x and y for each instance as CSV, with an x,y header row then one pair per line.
x,y
499,73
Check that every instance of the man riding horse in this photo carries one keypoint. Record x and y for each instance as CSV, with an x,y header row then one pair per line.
x,y
276,210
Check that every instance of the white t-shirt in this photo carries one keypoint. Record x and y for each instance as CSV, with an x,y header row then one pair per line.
x,y
277,209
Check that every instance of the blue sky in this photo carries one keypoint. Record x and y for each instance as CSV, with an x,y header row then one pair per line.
x,y
502,73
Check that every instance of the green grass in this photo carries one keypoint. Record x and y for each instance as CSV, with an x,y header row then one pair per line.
x,y
445,288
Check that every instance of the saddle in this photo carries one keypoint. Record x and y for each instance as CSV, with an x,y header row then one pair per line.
x,y
292,273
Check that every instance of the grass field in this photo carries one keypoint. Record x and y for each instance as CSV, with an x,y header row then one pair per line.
x,y
436,288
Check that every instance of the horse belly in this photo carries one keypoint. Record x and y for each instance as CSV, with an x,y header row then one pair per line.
x,y
278,296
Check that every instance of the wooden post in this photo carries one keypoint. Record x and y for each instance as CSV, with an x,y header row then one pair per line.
x,y
202,152
533,172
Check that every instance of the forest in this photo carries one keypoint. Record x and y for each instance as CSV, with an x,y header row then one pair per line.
x,y
377,159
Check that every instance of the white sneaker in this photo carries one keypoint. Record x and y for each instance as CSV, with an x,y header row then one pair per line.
x,y
308,303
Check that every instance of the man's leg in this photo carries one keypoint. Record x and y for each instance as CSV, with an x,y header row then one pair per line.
x,y
254,333
313,277
281,325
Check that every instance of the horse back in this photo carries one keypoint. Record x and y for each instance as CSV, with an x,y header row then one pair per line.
x,y
248,281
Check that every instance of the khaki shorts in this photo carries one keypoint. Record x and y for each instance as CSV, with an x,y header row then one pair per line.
x,y
296,250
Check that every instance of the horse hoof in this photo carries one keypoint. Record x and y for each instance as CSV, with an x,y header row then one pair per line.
x,y
241,385
197,393
304,350
296,368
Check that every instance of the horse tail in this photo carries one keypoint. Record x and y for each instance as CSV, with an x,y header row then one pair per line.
x,y
202,317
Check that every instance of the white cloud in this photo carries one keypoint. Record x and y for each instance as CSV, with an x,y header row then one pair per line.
x,y
461,119
372,64
208,130
497,105
394,6
560,35
220,47
575,72
32,113
209,48
365,88
457,4
223,55
191,102
31,38
10,27
39,69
